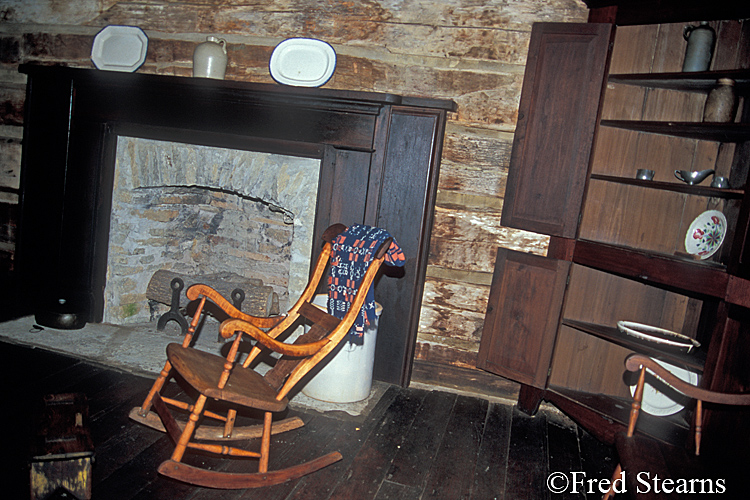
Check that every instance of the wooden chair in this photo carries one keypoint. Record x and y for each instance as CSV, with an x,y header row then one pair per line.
x,y
642,458
222,379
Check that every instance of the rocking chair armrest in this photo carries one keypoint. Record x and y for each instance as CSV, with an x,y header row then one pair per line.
x,y
229,327
195,291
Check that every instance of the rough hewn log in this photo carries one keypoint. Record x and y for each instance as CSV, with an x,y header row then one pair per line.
x,y
11,106
259,300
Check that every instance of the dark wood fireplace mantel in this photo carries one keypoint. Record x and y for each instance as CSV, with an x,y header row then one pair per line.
x,y
380,156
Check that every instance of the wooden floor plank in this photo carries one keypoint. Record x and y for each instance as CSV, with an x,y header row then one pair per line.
x,y
598,460
564,454
369,467
492,462
16,360
414,444
527,457
136,474
296,447
351,436
394,491
121,448
452,474
414,459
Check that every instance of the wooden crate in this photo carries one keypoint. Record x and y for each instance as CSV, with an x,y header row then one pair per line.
x,y
63,450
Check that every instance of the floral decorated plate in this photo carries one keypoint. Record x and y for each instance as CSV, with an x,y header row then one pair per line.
x,y
706,234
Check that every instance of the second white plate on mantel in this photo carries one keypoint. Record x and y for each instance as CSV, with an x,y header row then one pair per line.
x,y
302,62
119,48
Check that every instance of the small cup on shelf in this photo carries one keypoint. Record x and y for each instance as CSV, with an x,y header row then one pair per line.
x,y
720,182
644,174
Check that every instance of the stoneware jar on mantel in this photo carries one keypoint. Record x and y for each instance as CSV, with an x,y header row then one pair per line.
x,y
210,58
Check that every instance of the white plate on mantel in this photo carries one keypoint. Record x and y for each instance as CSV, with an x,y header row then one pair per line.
x,y
302,62
119,48
659,398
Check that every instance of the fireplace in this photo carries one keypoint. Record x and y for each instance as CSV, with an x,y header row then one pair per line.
x,y
200,210
378,157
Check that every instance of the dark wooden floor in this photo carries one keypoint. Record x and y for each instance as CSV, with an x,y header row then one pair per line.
x,y
414,444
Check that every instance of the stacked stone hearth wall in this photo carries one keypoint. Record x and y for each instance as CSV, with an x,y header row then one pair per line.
x,y
471,52
202,210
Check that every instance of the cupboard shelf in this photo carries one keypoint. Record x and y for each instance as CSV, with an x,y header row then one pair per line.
x,y
702,81
696,190
698,278
586,406
695,360
718,132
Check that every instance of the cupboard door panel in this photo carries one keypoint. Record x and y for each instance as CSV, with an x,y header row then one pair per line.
x,y
557,118
523,315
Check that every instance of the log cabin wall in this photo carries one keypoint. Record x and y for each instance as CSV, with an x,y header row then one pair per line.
x,y
471,52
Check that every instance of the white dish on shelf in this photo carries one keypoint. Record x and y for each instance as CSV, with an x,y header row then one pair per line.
x,y
119,48
302,62
659,398
706,234
658,335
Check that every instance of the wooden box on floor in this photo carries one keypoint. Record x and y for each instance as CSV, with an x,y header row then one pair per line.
x,y
63,450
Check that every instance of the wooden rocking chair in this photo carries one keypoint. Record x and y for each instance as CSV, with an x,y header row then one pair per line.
x,y
223,379
645,462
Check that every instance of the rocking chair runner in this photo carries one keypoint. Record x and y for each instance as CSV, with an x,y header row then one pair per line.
x,y
222,379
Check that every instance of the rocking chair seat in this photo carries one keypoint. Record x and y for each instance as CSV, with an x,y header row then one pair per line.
x,y
203,370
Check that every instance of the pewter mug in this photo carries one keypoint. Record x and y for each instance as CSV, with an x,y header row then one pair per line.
x,y
720,182
644,174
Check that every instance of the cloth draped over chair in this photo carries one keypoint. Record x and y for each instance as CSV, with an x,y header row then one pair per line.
x,y
352,253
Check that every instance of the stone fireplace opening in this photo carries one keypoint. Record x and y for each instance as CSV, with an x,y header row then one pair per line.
x,y
201,210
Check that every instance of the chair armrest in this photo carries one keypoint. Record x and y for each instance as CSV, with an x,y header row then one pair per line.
x,y
634,362
195,291
231,326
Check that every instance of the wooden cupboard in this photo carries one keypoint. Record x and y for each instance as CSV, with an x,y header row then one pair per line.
x,y
599,101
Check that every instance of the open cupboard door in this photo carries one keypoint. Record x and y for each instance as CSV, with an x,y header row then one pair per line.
x,y
557,120
523,316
